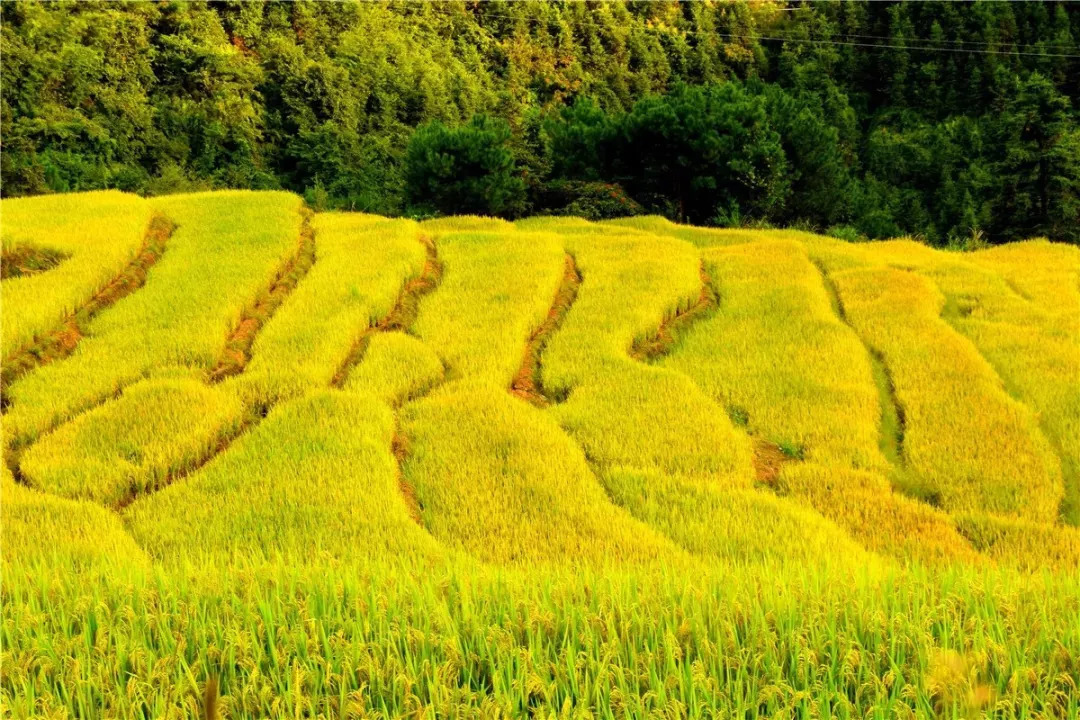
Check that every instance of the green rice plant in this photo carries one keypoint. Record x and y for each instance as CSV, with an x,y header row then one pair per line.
x,y
130,445
98,232
499,479
362,263
496,288
382,640
227,246
993,460
53,532
775,348
396,367
313,483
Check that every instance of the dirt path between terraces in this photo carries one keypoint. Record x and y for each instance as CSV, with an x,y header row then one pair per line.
x,y
62,340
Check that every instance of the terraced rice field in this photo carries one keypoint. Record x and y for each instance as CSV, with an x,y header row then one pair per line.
x,y
266,463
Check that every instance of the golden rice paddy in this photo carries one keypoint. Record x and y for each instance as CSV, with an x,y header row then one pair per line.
x,y
341,466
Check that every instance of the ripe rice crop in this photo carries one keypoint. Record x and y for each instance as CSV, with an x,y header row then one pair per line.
x,y
127,446
877,517
55,532
532,498
1037,358
1023,543
1040,271
617,404
699,236
312,482
495,289
336,465
97,233
996,460
396,367
227,246
775,351
362,263
718,522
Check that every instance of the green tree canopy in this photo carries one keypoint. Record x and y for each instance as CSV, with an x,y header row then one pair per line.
x,y
464,170
931,118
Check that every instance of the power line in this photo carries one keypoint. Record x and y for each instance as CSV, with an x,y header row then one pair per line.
x,y
882,46
955,42
839,43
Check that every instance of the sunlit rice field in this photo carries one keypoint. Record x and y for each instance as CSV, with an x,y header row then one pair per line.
x,y
261,462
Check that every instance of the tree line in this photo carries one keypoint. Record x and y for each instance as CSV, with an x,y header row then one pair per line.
x,y
953,122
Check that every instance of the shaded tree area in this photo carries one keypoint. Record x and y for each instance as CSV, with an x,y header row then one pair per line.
x,y
940,120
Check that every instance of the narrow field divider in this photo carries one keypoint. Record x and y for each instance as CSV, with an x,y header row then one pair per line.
x,y
528,382
892,420
401,316
237,350
62,340
220,444
400,319
655,345
399,447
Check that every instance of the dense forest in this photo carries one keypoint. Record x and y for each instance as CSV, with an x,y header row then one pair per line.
x,y
956,123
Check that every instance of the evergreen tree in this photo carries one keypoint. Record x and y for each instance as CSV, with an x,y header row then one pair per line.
x,y
464,170
1037,163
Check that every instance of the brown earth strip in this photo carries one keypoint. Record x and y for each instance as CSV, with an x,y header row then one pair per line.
x,y
423,284
226,439
237,351
62,341
660,343
23,260
402,315
400,319
12,458
399,446
769,459
528,384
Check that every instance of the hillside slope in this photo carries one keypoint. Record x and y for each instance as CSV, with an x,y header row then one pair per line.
x,y
344,465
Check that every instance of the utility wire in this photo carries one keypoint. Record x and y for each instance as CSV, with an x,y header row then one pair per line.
x,y
812,41
882,46
958,42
